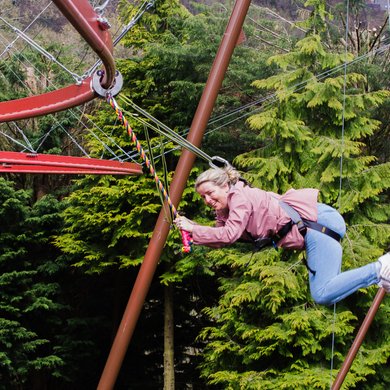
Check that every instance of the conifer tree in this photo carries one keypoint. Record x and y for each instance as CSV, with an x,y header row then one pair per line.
x,y
36,344
268,333
109,219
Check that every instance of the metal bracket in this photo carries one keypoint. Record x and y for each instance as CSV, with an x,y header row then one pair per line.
x,y
113,90
104,24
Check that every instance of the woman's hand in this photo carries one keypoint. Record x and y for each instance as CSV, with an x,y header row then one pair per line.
x,y
184,223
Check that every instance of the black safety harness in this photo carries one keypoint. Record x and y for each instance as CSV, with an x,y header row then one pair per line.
x,y
302,224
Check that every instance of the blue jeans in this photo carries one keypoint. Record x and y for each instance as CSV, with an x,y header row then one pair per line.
x,y
327,284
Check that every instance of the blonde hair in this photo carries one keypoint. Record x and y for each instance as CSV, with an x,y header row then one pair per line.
x,y
218,176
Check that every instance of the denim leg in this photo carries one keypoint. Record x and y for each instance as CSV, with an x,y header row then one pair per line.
x,y
324,256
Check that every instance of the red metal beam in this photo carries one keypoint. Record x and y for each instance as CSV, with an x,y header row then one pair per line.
x,y
47,103
14,162
37,169
85,20
161,230
83,17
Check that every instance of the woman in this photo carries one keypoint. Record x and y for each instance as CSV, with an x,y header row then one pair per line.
x,y
251,214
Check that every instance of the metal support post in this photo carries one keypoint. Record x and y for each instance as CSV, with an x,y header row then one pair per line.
x,y
160,233
359,339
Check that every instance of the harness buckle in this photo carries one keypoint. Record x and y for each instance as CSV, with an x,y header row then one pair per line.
x,y
262,242
302,228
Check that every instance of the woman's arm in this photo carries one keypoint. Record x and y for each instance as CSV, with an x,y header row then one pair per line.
x,y
240,210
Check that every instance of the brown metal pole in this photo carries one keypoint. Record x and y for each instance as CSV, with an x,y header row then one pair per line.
x,y
161,230
359,339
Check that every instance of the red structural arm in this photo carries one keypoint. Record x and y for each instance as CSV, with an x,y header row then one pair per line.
x,y
46,103
85,20
15,162
83,17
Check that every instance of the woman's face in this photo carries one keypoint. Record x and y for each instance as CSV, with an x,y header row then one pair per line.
x,y
213,195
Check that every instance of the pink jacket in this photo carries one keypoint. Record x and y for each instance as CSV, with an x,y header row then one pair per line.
x,y
258,213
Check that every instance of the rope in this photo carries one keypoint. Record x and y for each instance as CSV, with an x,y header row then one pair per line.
x,y
41,50
341,176
186,236
170,134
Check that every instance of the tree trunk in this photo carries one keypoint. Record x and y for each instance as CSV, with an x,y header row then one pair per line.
x,y
169,364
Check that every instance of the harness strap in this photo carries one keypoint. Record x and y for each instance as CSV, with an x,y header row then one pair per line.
x,y
322,229
263,242
303,224
295,217
283,231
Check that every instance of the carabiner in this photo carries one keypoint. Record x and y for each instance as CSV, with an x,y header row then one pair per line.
x,y
219,159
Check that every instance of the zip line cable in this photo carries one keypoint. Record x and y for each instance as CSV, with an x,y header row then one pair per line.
x,y
168,133
144,7
272,98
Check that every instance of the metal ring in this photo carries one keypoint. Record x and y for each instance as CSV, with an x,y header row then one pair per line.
x,y
97,87
219,159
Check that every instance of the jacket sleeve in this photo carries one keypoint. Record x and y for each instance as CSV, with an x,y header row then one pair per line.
x,y
240,210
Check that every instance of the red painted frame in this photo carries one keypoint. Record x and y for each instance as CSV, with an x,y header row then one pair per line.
x,y
85,20
83,17
15,162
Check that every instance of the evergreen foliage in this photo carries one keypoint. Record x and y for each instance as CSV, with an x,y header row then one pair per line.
x,y
258,327
30,306
267,331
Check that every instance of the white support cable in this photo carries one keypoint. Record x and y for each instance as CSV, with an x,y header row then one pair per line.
x,y
25,138
276,15
341,179
16,141
144,7
105,146
42,139
261,27
11,44
41,50
100,9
